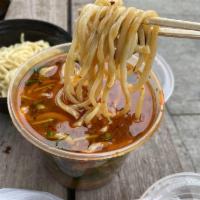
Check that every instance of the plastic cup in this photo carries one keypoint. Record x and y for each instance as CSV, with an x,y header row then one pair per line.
x,y
181,186
73,169
165,75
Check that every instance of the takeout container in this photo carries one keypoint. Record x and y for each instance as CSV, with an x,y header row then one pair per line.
x,y
72,169
185,185
34,30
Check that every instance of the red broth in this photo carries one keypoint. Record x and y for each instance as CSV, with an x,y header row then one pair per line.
x,y
38,108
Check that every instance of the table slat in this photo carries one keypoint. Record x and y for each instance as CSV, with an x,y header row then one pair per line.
x,y
52,11
188,148
22,164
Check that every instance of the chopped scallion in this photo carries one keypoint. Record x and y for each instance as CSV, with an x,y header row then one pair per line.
x,y
107,136
50,134
31,81
55,136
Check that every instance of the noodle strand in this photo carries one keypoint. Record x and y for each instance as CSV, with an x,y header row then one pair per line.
x,y
106,35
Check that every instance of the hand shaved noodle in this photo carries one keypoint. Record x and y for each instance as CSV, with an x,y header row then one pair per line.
x,y
106,35
13,56
139,105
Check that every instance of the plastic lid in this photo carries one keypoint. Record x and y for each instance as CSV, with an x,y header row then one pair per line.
x,y
182,186
165,75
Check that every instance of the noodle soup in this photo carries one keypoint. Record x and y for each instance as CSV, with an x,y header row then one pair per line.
x,y
84,112
41,114
72,164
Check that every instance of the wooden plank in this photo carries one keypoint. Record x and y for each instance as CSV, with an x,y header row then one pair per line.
x,y
179,8
156,159
76,6
22,164
52,11
164,8
184,58
188,128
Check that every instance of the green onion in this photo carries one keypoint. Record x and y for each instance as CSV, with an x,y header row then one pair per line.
x,y
50,134
107,136
55,136
31,81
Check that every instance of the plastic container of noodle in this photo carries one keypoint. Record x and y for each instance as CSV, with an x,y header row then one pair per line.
x,y
77,169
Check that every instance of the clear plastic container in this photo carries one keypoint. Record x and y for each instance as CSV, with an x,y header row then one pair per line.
x,y
163,72
73,169
181,186
165,76
20,194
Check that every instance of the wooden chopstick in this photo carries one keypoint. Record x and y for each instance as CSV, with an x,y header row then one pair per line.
x,y
173,23
176,28
179,33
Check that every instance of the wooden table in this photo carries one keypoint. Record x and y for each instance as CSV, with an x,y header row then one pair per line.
x,y
174,148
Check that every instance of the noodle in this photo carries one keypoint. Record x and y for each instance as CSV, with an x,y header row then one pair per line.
x,y
106,35
13,56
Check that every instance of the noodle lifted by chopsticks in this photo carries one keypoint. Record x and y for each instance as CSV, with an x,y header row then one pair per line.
x,y
106,35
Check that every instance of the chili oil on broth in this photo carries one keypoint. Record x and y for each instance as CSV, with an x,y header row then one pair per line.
x,y
39,112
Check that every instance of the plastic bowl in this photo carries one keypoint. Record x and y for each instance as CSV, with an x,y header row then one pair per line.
x,y
165,75
73,169
181,186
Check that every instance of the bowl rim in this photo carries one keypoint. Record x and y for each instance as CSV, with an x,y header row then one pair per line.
x,y
19,22
76,155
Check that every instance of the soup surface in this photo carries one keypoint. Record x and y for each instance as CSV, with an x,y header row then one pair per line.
x,y
41,115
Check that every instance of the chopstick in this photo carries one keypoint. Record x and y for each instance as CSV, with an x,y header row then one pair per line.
x,y
179,33
176,28
173,23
